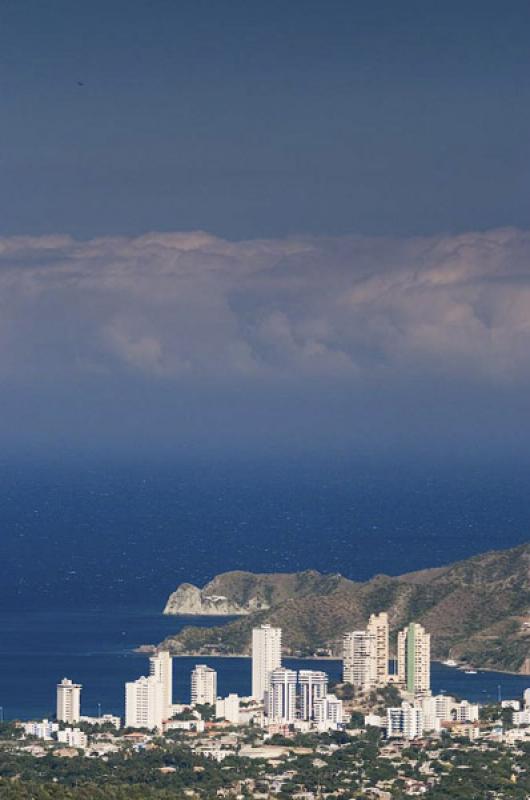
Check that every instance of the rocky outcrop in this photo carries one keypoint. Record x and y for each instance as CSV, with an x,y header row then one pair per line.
x,y
242,593
189,600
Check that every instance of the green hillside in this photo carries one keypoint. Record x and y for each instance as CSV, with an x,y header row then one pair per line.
x,y
475,609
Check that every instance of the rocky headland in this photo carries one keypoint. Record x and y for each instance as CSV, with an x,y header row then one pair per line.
x,y
477,610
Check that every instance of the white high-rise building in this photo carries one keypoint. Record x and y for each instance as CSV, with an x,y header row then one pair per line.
x,y
145,704
360,660
203,685
228,708
313,686
161,668
68,701
328,712
406,721
414,660
281,697
266,657
378,627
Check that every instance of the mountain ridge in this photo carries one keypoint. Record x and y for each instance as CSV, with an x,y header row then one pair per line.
x,y
477,609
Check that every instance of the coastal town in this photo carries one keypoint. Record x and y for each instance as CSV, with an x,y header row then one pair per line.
x,y
380,732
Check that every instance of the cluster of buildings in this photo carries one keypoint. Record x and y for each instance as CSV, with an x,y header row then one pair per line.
x,y
66,728
366,657
284,699
149,699
429,714
280,696
289,697
366,666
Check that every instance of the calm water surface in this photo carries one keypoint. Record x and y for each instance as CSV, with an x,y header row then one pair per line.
x,y
96,649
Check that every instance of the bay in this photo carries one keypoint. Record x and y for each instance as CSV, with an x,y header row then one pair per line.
x,y
96,649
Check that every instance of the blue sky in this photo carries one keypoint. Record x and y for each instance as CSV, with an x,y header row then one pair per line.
x,y
360,173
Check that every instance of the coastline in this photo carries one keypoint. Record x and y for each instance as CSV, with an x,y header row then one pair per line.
x,y
480,669
99,650
150,649
504,672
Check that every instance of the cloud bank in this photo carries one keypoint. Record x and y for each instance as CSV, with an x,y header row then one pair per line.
x,y
185,311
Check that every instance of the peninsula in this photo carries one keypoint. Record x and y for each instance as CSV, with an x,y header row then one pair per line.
x,y
478,610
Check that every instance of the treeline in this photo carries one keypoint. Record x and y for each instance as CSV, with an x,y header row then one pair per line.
x,y
30,790
124,774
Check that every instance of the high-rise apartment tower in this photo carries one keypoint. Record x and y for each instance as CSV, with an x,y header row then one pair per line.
x,y
281,696
266,657
360,660
68,701
414,659
161,667
378,628
144,703
203,685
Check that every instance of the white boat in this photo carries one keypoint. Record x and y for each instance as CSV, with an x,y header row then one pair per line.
x,y
470,671
450,662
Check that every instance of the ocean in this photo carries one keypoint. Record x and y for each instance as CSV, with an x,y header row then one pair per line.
x,y
90,551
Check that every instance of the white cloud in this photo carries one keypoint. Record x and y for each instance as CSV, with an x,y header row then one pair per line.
x,y
189,306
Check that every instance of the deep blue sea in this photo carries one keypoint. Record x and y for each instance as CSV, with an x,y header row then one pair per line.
x,y
90,551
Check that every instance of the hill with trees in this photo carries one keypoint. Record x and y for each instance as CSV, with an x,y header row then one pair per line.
x,y
477,610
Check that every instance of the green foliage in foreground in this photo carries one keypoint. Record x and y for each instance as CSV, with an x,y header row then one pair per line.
x,y
123,776
449,769
497,773
16,790
9,730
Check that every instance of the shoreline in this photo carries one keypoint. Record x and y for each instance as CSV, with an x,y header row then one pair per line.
x,y
149,649
504,672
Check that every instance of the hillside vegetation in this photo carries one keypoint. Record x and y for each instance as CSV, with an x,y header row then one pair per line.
x,y
477,610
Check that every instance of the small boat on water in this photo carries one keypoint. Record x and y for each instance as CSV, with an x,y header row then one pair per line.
x,y
450,662
470,672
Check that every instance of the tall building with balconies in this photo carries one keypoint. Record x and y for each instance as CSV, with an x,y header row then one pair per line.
x,y
405,721
203,685
68,701
161,667
328,712
360,660
281,696
378,628
414,659
266,657
144,703
313,686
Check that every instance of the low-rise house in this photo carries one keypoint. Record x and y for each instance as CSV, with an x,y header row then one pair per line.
x,y
65,752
